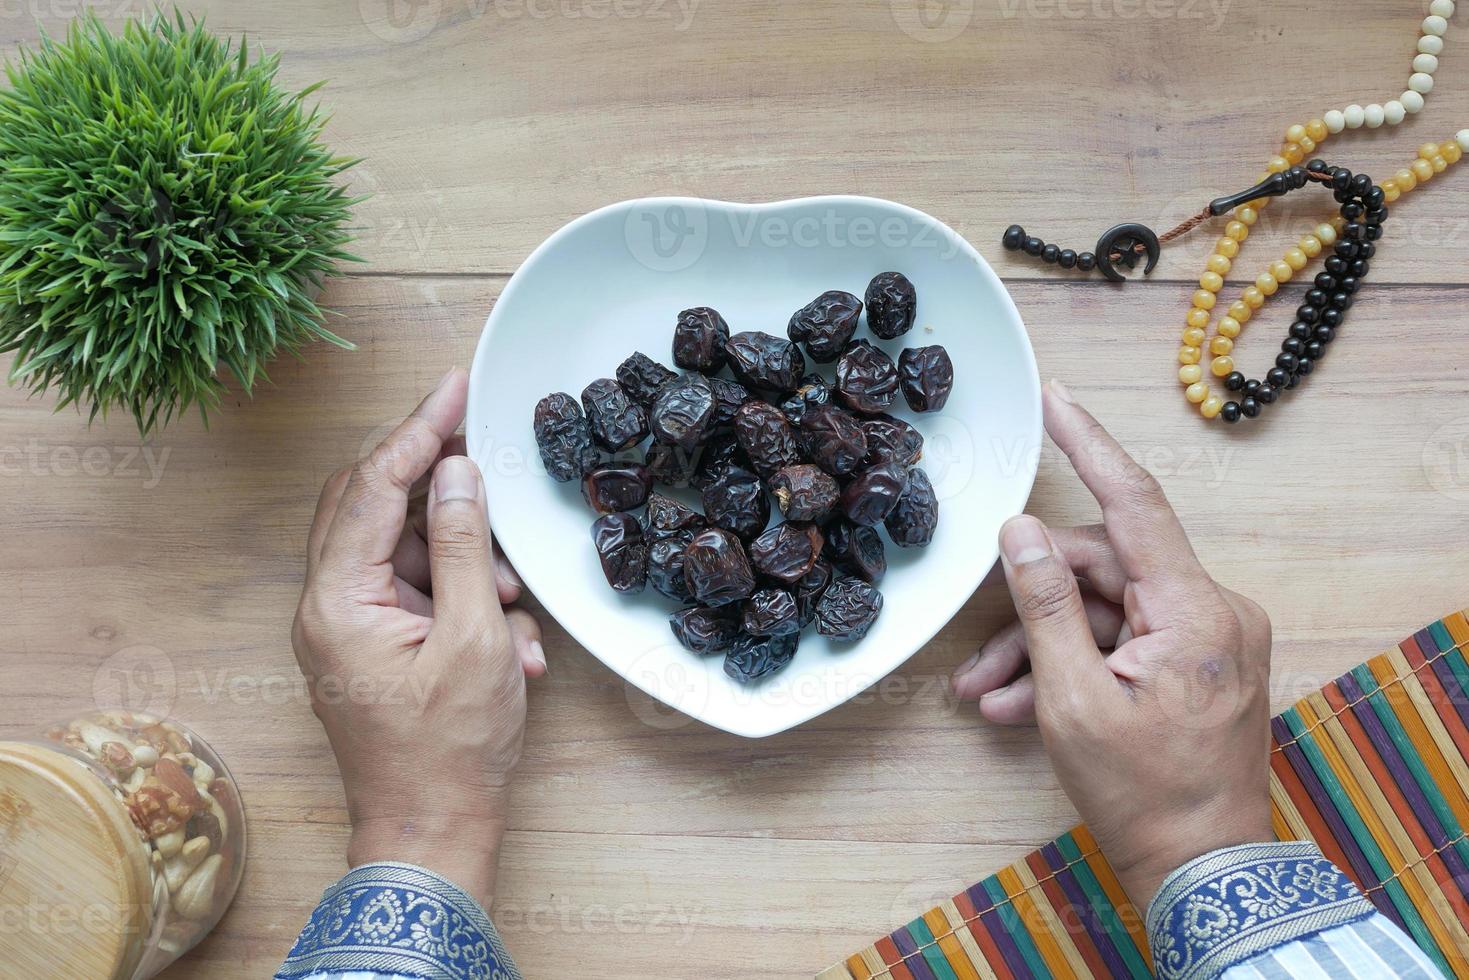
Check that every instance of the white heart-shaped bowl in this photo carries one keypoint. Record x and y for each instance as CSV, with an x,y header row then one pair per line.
x,y
614,281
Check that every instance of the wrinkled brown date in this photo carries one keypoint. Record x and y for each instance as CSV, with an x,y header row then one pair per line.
x,y
873,493
891,440
813,391
716,570
927,377
826,324
728,397
848,609
770,612
666,566
805,492
810,588
683,412
766,437
668,516
563,437
670,465
833,439
754,657
623,551
856,549
699,339
617,486
892,305
911,524
867,379
787,551
618,422
721,451
736,501
765,362
704,630
643,378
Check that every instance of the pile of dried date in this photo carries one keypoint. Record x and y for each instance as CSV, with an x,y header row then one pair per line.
x,y
838,465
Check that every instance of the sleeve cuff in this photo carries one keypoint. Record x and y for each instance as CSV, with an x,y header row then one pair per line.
x,y
1229,905
402,920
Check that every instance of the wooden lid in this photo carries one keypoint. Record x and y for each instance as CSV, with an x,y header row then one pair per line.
x,y
73,870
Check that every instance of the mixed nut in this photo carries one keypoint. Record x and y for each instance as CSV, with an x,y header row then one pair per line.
x,y
184,806
836,462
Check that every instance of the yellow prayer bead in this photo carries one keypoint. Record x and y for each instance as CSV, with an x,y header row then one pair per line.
x,y
1240,311
1294,133
1211,406
1309,244
1338,223
1220,346
1222,366
1296,259
1428,151
1406,179
1277,164
1211,281
1194,337
1248,215
1228,327
1258,203
1390,192
1204,299
1326,234
1293,153
1196,392
1237,230
1316,129
1189,355
1281,271
1253,298
1219,264
1227,247
1422,169
1197,318
1307,144
1267,284
1451,151
1439,163
1190,374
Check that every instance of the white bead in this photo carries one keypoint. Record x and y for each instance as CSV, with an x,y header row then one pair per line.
x,y
1412,101
1373,115
1431,44
1462,138
1435,25
1335,121
1355,114
1426,63
1442,8
1394,112
1420,82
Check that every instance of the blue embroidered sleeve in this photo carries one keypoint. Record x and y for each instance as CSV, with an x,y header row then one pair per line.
x,y
1232,905
398,920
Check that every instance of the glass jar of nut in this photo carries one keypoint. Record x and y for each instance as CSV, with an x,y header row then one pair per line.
x,y
122,842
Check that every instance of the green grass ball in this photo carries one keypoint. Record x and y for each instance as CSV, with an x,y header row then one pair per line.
x,y
166,209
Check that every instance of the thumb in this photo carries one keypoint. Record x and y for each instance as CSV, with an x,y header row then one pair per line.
x,y
461,562
1063,653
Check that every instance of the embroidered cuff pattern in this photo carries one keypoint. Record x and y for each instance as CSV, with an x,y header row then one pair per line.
x,y
399,919
1232,904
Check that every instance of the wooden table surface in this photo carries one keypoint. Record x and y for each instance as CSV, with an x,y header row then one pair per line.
x,y
644,847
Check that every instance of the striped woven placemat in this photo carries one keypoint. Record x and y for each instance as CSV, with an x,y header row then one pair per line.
x,y
1371,767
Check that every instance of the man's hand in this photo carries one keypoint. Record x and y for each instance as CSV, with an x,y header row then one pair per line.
x,y
415,669
1162,742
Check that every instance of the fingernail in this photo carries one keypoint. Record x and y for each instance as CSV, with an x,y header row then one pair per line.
x,y
538,653
456,479
507,573
995,693
445,379
1062,392
967,666
1024,539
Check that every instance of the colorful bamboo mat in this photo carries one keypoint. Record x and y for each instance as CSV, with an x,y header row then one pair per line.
x,y
1372,767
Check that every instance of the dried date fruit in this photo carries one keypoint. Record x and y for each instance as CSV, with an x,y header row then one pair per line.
x,y
670,465
809,590
927,377
704,630
867,379
833,439
787,551
716,570
564,437
813,391
805,492
736,501
911,524
873,493
683,412
728,397
764,362
770,612
891,440
719,453
666,565
766,437
667,516
754,657
892,305
826,324
848,609
617,421
857,549
617,486
623,550
643,378
699,339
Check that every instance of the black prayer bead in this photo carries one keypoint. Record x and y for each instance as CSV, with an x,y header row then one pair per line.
x,y
1348,284
1324,334
1315,297
1336,265
1251,386
1266,395
1293,345
1365,250
1014,238
1234,381
1374,197
1050,253
1034,246
1230,412
1325,281
1301,330
1307,314
1066,259
1341,178
1285,361
1354,231
1086,261
1332,317
1315,349
1250,407
1277,376
1341,301
1352,210
1361,184
1316,165
1306,366
1373,233
1359,267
